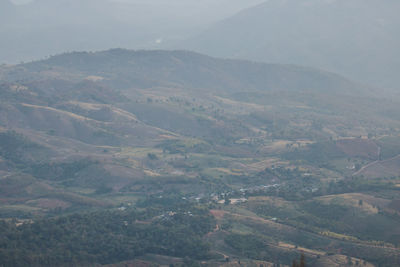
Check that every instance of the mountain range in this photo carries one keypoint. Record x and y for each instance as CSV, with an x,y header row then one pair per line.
x,y
40,28
356,38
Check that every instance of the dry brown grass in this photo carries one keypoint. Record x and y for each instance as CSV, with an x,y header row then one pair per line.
x,y
218,214
94,78
381,169
265,163
70,114
358,147
228,171
47,203
91,106
275,201
151,173
284,145
301,249
238,105
168,137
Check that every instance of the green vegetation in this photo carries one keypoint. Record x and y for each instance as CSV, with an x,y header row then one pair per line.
x,y
390,146
18,149
178,158
104,237
319,154
254,247
60,171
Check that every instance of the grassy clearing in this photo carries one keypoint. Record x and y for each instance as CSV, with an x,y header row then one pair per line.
x,y
339,236
69,114
390,146
365,203
138,152
226,171
124,199
302,249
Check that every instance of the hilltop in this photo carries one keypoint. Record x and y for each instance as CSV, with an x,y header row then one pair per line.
x,y
195,71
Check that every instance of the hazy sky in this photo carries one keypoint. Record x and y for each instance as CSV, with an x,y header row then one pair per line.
x,y
21,2
357,38
44,27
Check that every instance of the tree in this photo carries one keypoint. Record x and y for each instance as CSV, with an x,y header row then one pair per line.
x,y
349,260
227,200
152,156
302,260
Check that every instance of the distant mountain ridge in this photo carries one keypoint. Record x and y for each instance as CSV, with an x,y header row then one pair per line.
x,y
42,27
356,38
193,70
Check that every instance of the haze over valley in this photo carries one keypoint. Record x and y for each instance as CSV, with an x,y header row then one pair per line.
x,y
277,145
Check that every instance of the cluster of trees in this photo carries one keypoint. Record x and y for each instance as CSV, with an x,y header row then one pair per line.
x,y
302,262
103,237
294,184
180,147
318,154
358,184
17,149
59,171
254,247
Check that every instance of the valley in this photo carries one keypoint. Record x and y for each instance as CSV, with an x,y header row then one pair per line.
x,y
256,163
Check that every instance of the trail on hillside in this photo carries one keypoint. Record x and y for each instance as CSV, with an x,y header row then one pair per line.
x,y
371,163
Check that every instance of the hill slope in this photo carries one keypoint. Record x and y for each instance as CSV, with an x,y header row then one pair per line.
x,y
256,162
192,70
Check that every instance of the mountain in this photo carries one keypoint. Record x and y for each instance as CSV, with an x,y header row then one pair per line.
x,y
106,77
356,38
78,104
180,158
39,28
183,68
